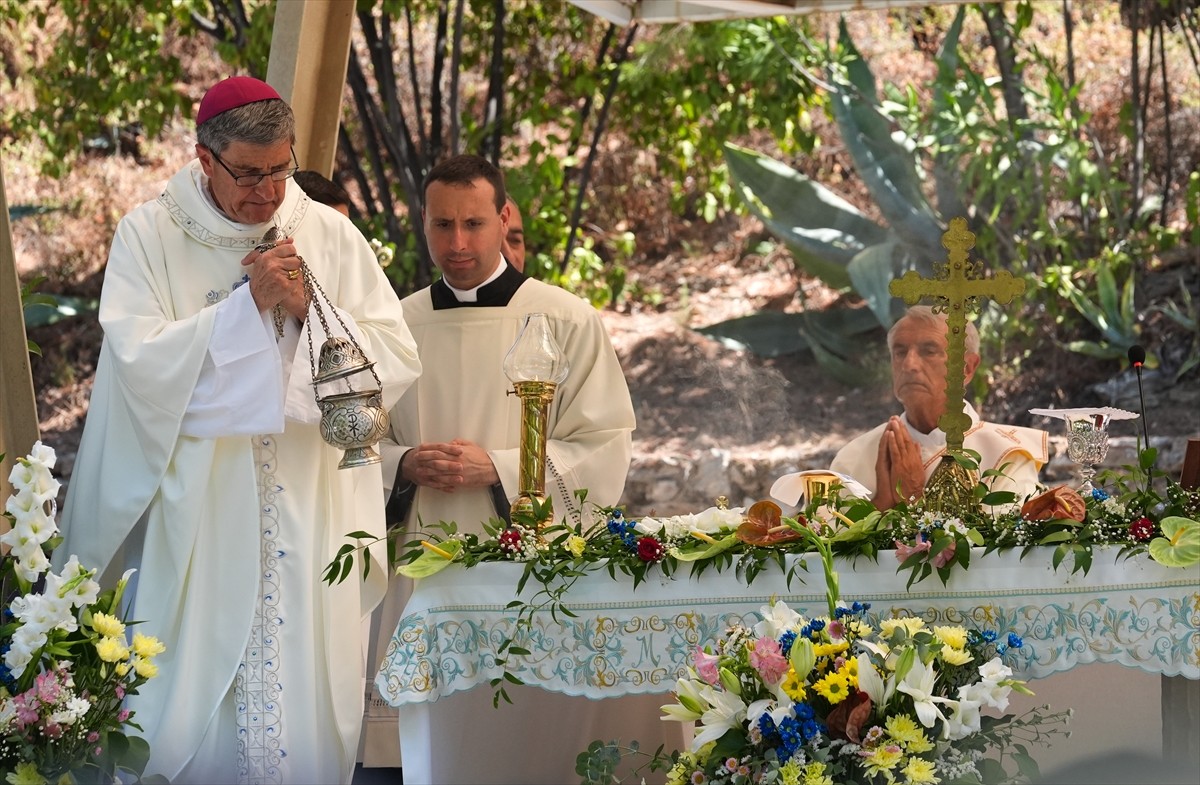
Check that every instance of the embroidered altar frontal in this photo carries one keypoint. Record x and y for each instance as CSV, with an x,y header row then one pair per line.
x,y
623,641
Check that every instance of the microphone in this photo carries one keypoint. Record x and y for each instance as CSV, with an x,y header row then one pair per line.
x,y
1137,358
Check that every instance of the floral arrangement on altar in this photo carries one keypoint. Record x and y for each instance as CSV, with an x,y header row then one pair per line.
x,y
1131,517
838,699
66,663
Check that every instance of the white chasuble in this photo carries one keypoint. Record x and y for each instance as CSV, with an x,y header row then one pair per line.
x,y
262,676
1021,452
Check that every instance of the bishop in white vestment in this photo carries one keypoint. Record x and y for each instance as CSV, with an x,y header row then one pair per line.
x,y
202,465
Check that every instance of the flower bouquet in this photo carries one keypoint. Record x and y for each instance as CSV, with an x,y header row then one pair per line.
x,y
66,663
840,699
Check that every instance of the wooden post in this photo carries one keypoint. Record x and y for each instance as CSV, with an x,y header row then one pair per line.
x,y
310,49
18,407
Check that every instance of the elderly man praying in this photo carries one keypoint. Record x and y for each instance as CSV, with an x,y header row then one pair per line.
x,y
896,459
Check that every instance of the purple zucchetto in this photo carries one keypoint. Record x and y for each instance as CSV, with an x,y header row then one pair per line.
x,y
231,93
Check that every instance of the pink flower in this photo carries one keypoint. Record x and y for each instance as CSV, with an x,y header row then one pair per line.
x,y
93,737
52,730
26,707
836,630
47,687
904,551
943,558
768,660
119,691
922,546
706,666
122,715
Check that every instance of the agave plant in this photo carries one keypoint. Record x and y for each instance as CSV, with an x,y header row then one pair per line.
x,y
830,238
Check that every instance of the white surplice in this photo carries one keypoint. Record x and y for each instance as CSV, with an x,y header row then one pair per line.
x,y
464,394
202,464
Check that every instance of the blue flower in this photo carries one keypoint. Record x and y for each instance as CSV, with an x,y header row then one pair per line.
x,y
790,737
786,641
1099,495
811,728
1014,641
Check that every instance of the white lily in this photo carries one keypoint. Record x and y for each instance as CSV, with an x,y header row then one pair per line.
x,y
727,711
870,682
964,719
918,683
691,704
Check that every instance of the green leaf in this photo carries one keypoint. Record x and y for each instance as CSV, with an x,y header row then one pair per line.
x,y
823,230
772,333
871,272
886,167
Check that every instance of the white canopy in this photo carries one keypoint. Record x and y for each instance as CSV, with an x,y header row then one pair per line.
x,y
623,12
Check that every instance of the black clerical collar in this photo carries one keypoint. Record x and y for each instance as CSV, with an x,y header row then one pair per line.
x,y
496,294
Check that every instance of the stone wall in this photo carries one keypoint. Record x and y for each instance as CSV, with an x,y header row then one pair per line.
x,y
692,481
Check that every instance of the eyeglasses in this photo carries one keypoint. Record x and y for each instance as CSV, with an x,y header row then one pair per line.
x,y
251,180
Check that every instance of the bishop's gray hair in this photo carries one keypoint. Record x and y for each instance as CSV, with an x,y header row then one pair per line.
x,y
262,123
926,314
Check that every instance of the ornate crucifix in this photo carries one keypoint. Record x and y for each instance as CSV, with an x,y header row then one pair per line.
x,y
958,287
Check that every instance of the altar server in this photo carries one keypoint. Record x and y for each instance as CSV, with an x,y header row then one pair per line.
x,y
459,433
904,451
203,465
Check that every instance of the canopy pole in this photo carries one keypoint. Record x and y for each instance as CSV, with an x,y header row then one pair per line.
x,y
310,49
18,406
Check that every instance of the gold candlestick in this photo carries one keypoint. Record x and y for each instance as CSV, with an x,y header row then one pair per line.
x,y
536,366
535,407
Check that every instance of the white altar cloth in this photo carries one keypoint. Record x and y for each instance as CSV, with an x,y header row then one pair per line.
x,y
623,640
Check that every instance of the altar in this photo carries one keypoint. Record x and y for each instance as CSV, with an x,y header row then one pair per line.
x,y
620,640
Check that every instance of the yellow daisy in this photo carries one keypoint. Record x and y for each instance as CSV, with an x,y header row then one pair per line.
x,y
834,688
112,649
910,624
882,760
147,646
814,774
794,686
903,728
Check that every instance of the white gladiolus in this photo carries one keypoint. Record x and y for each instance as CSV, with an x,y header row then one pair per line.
x,y
964,719
73,584
995,670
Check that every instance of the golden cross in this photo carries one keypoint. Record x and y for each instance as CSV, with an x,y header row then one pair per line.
x,y
958,286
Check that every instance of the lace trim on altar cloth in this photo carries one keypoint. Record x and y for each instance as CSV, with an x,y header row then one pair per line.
x,y
257,691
